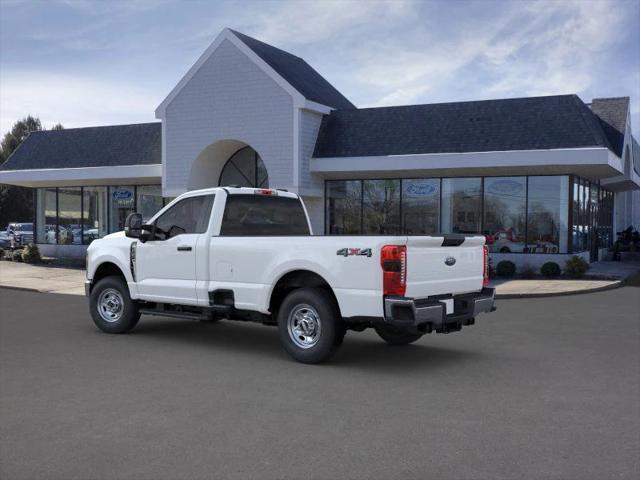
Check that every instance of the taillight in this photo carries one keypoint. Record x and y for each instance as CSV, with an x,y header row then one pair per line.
x,y
393,259
265,191
485,271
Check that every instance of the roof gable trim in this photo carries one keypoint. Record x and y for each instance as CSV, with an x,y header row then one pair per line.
x,y
299,100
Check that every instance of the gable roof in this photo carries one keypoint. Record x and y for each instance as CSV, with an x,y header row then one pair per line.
x,y
114,145
292,73
612,113
533,123
298,73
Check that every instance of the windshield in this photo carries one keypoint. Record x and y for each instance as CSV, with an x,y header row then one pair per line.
x,y
23,227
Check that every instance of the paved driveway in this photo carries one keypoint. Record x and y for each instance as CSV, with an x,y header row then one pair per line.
x,y
543,388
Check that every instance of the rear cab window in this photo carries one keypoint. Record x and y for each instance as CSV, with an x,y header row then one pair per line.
x,y
261,215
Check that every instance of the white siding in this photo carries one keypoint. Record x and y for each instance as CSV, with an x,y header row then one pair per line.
x,y
229,97
309,127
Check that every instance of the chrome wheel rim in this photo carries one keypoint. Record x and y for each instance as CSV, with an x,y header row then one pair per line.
x,y
304,326
110,305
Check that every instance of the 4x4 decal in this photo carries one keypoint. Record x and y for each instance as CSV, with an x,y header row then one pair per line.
x,y
346,252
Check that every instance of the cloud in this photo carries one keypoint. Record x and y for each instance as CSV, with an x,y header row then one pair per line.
x,y
315,21
534,48
73,101
376,52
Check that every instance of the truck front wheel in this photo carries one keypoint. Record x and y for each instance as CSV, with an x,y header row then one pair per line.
x,y
111,307
309,325
396,337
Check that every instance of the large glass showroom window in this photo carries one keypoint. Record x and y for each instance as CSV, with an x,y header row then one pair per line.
x,y
148,200
380,207
122,203
461,205
46,215
592,214
516,214
69,216
94,202
79,215
547,214
505,213
344,207
421,205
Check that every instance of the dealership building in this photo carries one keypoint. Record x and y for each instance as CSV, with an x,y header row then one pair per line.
x,y
542,177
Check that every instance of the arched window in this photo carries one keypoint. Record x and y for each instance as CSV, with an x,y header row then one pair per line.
x,y
245,169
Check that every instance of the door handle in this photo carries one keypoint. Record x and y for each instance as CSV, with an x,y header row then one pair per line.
x,y
184,248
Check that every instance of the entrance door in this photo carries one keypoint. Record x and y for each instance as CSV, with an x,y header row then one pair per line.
x,y
166,264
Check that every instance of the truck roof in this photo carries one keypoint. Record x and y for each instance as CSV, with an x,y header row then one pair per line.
x,y
232,190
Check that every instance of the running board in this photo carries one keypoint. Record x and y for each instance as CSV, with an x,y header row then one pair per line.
x,y
191,313
175,314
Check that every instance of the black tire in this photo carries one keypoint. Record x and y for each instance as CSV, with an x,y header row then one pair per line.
x,y
122,319
396,337
317,304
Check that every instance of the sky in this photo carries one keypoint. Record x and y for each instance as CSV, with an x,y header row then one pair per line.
x,y
86,63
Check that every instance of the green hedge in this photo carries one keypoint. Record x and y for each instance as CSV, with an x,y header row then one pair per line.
x,y
576,267
31,254
506,268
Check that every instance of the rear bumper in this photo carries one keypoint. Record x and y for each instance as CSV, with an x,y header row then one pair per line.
x,y
430,314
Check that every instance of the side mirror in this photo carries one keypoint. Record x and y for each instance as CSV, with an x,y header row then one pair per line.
x,y
133,225
147,231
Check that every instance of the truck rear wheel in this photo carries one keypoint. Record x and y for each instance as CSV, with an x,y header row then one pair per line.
x,y
111,307
309,325
394,336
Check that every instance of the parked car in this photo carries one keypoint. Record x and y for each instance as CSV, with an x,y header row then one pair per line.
x,y
249,254
20,234
506,241
5,242
65,235
89,235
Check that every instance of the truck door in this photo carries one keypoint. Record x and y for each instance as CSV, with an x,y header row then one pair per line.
x,y
166,263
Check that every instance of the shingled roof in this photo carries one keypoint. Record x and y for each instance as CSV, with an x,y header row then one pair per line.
x,y
612,113
298,73
534,123
114,145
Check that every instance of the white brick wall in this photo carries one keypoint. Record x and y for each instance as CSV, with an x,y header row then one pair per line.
x,y
229,98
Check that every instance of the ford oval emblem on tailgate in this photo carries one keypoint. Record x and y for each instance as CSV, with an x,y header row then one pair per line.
x,y
450,261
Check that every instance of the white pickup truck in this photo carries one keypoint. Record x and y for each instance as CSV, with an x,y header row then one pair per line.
x,y
249,254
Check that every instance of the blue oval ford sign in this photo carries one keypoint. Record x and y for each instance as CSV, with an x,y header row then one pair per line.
x,y
421,190
450,261
121,194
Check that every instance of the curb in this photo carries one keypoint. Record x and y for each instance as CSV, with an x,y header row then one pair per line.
x,y
35,290
24,289
505,296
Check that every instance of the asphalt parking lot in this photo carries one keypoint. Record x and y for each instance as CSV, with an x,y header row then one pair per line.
x,y
543,388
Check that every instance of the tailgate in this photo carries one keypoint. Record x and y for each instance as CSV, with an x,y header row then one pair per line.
x,y
439,265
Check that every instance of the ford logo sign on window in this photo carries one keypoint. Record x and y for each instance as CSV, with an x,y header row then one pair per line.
x,y
450,261
121,194
421,190
505,187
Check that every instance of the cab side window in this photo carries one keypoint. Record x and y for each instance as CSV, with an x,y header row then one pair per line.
x,y
190,215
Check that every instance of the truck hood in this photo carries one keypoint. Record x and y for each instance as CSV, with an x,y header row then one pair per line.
x,y
114,235
111,239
